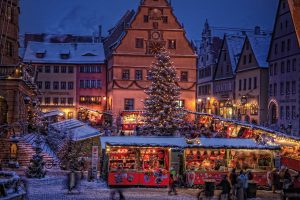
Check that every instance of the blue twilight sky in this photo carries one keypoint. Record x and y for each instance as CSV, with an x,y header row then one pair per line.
x,y
83,16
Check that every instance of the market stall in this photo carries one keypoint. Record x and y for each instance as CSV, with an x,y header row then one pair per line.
x,y
138,161
211,158
130,121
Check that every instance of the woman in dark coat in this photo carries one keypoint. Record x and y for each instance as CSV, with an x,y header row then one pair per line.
x,y
225,188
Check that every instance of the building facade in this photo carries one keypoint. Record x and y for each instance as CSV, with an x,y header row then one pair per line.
x,y
284,76
207,60
224,76
251,93
9,29
70,75
130,52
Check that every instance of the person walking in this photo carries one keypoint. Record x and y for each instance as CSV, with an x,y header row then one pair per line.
x,y
233,182
172,185
225,188
287,179
242,186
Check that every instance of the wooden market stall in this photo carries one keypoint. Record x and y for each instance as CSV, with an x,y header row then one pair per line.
x,y
211,158
138,161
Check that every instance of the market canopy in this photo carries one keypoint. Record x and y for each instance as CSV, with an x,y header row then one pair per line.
x,y
52,113
177,142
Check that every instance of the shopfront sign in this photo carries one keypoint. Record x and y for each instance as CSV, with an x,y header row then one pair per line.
x,y
95,156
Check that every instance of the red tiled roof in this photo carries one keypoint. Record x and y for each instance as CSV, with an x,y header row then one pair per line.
x,y
295,12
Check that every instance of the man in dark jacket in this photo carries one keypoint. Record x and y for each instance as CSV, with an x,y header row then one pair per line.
x,y
225,188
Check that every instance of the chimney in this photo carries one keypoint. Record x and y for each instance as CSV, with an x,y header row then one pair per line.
x,y
257,30
100,32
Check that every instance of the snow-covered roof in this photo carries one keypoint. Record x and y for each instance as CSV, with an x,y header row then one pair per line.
x,y
260,45
84,132
177,142
180,142
79,53
52,113
66,125
235,143
234,45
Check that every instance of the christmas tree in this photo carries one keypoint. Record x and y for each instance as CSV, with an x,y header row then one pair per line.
x,y
36,168
162,112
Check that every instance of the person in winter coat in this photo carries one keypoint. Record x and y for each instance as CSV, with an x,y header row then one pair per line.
x,y
172,185
242,186
287,179
225,188
233,181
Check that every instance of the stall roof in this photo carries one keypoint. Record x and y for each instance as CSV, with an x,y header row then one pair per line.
x,y
84,132
67,124
235,143
178,142
52,113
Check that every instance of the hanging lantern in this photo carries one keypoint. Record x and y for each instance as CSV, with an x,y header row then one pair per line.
x,y
232,152
208,152
222,151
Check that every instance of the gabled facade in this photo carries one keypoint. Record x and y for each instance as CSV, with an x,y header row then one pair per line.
x,y
130,48
224,76
251,80
207,60
284,76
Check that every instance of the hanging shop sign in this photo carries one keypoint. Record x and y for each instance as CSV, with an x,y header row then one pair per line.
x,y
94,160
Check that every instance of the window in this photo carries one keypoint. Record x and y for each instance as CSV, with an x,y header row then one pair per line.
x,y
47,85
125,74
98,69
81,69
81,84
288,44
250,84
149,76
287,112
9,48
63,101
63,85
275,89
294,65
245,84
250,58
282,46
271,90
253,109
146,18
56,69
281,88
55,85
288,91
293,112
138,74
288,66
281,112
70,69
96,100
47,100
70,85
276,49
244,59
184,76
282,67
93,84
39,84
180,103
55,101
165,19
172,44
139,43
63,69
87,84
255,83
275,69
70,101
240,85
70,115
47,69
99,84
40,69
129,104
293,87
271,70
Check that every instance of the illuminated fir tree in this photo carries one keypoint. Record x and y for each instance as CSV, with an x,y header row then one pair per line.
x,y
163,116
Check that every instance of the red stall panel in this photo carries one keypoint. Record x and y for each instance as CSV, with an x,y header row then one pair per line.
x,y
124,178
291,163
156,180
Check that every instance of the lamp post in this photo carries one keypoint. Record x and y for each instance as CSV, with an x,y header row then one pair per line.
x,y
13,150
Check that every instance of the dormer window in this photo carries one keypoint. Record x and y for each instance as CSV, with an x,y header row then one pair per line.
x,y
64,55
40,54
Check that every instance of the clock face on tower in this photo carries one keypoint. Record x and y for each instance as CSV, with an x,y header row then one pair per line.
x,y
155,35
155,46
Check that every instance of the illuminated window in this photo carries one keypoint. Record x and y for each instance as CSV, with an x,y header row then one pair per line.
x,y
180,103
253,109
172,44
129,104
70,101
63,69
70,115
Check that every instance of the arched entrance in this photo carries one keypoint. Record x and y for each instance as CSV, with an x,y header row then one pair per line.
x,y
273,113
3,110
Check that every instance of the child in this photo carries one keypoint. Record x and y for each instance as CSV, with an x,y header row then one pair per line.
x,y
172,186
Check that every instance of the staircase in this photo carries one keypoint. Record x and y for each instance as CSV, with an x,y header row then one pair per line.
x,y
26,150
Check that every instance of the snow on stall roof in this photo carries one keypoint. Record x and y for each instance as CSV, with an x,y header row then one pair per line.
x,y
79,52
67,124
232,143
84,132
178,142
235,45
52,113
260,45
